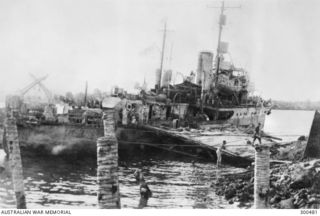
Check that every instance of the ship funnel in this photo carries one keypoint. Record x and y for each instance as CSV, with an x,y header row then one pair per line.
x,y
224,46
166,79
205,65
223,19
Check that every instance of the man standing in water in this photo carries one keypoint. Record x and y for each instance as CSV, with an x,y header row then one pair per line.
x,y
145,192
3,158
257,134
138,175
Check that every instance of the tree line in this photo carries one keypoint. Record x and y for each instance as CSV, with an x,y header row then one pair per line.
x,y
296,105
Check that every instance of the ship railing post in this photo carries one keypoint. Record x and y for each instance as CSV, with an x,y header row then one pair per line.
x,y
107,164
261,176
12,142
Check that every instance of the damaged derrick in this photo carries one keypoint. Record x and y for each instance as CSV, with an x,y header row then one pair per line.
x,y
185,92
183,101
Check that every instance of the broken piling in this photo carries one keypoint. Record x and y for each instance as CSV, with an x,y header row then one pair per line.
x,y
261,176
12,142
107,161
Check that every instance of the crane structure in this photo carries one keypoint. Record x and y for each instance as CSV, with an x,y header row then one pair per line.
x,y
37,82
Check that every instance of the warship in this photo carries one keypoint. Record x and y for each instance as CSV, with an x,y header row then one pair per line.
x,y
217,96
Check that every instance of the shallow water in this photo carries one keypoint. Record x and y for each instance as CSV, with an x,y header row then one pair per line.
x,y
57,182
289,124
176,182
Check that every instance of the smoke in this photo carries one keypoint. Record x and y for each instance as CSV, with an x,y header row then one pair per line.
x,y
44,144
56,150
60,140
74,146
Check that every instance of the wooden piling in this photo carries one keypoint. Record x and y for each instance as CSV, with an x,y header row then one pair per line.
x,y
12,142
107,161
312,149
261,176
2,144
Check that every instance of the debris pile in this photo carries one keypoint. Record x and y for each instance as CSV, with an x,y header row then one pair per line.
x,y
236,188
292,186
295,185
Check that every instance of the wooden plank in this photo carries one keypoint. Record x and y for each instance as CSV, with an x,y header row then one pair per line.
x,y
191,140
280,162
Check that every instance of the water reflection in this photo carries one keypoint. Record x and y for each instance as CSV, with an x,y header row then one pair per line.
x,y
64,182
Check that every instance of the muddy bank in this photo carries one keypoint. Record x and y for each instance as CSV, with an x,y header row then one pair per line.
x,y
236,188
292,186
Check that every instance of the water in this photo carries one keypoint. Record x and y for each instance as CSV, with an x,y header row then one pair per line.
x,y
64,182
289,124
58,182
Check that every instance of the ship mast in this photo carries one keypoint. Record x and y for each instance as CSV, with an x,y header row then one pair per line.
x,y
221,24
170,61
162,52
85,94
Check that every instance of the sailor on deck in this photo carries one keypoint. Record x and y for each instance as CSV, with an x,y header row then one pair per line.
x,y
257,134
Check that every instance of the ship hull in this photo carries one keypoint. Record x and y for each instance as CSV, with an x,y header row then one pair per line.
x,y
238,116
70,137
75,139
247,116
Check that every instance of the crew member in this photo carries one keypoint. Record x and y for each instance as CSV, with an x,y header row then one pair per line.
x,y
224,143
3,158
145,191
145,194
138,175
218,152
257,134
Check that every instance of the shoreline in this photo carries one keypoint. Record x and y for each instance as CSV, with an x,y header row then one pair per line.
x,y
292,186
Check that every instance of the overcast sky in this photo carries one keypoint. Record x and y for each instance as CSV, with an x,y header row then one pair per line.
x,y
117,42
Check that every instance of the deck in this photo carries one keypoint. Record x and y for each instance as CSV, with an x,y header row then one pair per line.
x,y
237,148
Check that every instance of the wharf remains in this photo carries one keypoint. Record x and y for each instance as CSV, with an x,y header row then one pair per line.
x,y
198,143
